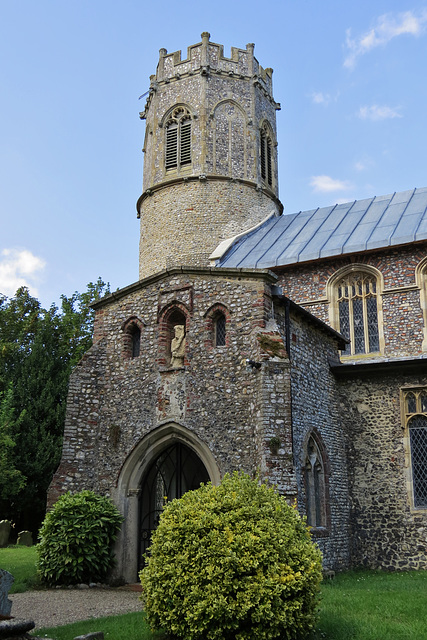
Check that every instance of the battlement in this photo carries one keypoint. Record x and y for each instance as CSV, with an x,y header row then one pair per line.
x,y
207,58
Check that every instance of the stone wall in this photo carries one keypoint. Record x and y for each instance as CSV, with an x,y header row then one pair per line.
x,y
221,192
400,295
315,408
387,532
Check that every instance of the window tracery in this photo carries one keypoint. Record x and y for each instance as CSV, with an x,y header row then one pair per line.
x,y
356,295
315,485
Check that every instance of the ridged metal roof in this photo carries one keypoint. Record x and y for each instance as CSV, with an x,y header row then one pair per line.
x,y
383,221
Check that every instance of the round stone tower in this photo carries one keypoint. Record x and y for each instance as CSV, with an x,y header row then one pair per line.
x,y
210,166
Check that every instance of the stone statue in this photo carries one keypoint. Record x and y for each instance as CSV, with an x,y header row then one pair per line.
x,y
178,346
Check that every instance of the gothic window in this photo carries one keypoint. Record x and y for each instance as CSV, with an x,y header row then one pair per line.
x,y
219,330
178,139
132,338
266,155
357,300
315,485
217,319
415,416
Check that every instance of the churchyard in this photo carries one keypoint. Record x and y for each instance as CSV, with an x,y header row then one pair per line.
x,y
356,605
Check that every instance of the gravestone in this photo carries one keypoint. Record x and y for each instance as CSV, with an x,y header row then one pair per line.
x,y
6,581
25,538
4,532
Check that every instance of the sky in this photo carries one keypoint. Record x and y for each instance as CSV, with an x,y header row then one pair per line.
x,y
350,77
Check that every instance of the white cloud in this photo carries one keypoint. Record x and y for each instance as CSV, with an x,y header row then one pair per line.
x,y
388,26
319,97
326,184
375,112
19,268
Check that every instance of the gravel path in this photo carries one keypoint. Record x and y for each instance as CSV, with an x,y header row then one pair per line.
x,y
55,607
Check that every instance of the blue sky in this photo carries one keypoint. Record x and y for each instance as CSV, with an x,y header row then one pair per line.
x,y
350,76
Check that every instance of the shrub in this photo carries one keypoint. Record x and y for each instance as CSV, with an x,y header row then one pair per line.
x,y
233,561
76,539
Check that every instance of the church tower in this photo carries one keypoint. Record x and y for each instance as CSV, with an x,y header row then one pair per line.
x,y
210,165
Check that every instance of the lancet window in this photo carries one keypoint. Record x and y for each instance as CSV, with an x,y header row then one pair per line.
x,y
315,485
266,145
415,416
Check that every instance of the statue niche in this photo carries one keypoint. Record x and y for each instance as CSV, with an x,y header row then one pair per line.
x,y
178,346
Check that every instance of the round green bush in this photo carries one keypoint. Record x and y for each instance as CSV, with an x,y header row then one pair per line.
x,y
233,561
76,539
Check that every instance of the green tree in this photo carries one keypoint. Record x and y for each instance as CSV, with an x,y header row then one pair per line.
x,y
38,349
12,480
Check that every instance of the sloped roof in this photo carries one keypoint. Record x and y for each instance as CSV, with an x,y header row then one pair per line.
x,y
382,221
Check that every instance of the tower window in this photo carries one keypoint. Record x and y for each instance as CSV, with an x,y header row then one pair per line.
x,y
266,156
178,139
415,412
357,299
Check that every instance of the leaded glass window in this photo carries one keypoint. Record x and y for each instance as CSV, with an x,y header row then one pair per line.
x,y
415,405
357,298
178,139
219,327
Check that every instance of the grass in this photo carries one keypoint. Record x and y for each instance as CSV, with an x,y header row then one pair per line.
x,y
21,563
131,626
371,605
357,605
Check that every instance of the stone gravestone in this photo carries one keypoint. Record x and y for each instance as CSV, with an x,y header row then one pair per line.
x,y
6,581
4,532
25,538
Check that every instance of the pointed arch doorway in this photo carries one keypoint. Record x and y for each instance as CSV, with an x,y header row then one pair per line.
x,y
176,469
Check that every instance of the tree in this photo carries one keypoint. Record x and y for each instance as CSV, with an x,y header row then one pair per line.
x,y
12,480
38,349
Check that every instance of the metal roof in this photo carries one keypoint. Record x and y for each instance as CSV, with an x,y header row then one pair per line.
x,y
382,221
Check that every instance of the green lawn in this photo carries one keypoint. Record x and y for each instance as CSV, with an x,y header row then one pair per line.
x,y
356,605
21,563
364,605
130,626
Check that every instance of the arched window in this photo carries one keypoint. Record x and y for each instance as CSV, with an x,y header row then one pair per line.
x,y
266,151
217,319
315,481
415,410
178,139
219,329
357,311
132,338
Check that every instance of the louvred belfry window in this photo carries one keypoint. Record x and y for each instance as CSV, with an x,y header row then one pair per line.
x,y
358,312
266,156
178,139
